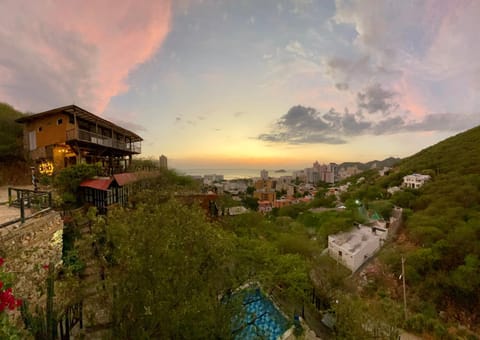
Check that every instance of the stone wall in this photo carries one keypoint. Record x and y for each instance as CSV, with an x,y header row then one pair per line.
x,y
27,248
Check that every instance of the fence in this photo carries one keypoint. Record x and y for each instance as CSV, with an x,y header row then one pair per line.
x,y
39,201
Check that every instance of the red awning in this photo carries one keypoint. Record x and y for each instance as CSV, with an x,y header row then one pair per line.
x,y
125,178
98,183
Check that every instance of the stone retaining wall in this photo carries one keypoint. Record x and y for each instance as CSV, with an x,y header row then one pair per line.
x,y
27,248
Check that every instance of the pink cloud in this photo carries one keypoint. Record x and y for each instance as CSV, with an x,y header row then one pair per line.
x,y
80,51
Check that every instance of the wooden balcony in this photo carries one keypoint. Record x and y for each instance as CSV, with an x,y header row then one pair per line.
x,y
97,139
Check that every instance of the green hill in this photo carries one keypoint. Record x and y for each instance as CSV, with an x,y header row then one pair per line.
x,y
13,168
460,154
10,132
442,243
388,162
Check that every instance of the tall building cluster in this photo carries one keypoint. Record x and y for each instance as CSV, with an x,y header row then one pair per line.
x,y
327,173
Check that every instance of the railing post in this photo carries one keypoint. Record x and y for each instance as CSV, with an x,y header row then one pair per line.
x,y
9,195
22,208
49,199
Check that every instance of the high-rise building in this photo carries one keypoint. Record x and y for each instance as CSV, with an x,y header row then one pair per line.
x,y
264,174
163,162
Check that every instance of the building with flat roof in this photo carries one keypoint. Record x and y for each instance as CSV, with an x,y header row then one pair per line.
x,y
355,247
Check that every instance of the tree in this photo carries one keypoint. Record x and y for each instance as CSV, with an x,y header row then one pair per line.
x,y
251,203
68,180
170,267
10,132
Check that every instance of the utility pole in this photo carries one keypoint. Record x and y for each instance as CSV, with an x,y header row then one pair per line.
x,y
404,290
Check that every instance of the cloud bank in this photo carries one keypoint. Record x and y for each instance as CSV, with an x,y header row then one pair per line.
x,y
58,53
306,125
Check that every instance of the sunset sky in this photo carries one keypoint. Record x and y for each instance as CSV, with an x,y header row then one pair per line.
x,y
249,83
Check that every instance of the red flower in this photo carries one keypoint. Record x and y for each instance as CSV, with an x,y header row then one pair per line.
x,y
45,266
1,261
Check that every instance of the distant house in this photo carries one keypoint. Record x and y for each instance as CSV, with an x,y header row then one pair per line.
x,y
264,206
415,181
238,210
283,202
384,171
355,247
70,135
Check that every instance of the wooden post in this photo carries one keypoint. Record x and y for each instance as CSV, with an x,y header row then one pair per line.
x,y
22,207
404,289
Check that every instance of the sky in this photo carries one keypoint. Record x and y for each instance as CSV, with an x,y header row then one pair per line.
x,y
248,83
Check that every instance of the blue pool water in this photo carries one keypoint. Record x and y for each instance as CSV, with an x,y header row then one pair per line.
x,y
260,318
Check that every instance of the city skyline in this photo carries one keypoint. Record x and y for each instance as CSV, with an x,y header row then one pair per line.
x,y
271,84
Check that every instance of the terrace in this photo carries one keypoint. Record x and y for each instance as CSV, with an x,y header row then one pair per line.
x,y
120,143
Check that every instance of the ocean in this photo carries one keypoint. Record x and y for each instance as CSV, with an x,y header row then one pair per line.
x,y
230,174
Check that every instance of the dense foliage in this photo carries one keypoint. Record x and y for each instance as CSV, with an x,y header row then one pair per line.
x,y
10,132
14,169
169,266
7,302
68,180
443,229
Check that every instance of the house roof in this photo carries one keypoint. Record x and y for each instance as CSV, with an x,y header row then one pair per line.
x,y
125,178
83,114
97,183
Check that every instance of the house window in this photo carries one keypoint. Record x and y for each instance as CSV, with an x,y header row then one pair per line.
x,y
59,121
40,129
71,119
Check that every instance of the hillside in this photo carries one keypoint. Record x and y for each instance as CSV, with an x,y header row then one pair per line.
x,y
12,163
10,132
460,153
442,235
388,162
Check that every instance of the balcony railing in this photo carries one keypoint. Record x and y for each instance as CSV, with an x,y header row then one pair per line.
x,y
95,138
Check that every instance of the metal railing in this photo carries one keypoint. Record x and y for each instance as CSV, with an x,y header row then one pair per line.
x,y
95,138
39,201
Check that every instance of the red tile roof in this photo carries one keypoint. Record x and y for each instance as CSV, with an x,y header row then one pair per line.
x,y
98,183
125,178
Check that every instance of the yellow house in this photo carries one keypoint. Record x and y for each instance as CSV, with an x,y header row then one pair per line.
x,y
70,135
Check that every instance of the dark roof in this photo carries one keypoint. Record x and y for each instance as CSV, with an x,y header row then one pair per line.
x,y
97,183
83,114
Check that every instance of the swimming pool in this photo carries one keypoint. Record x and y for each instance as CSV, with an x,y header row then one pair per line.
x,y
260,319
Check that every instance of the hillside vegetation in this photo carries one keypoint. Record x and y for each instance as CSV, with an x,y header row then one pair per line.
x,y
442,243
10,132
12,165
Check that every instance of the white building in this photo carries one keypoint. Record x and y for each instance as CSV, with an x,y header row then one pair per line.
x,y
235,187
210,179
233,211
384,171
300,175
283,182
392,190
415,181
264,174
353,248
